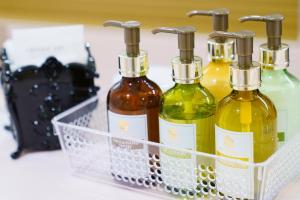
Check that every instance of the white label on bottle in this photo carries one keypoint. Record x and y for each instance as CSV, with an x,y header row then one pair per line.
x,y
178,167
129,159
235,179
282,125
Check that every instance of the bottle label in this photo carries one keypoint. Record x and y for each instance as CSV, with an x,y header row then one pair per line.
x,y
178,167
235,179
282,125
123,151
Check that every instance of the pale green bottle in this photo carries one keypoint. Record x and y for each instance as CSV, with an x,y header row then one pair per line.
x,y
277,83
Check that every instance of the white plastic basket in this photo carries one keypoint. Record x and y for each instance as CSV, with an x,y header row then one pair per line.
x,y
82,131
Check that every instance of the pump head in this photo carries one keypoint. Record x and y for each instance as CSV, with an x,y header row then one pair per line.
x,y
219,17
273,27
186,40
131,35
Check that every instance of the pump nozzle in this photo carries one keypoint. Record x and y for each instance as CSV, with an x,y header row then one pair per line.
x,y
220,17
186,42
131,35
273,27
244,45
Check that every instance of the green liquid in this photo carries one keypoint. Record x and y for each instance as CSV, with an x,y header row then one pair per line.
x,y
191,104
187,121
284,91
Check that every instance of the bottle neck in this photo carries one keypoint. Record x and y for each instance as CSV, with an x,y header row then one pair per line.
x,y
135,66
273,70
184,85
221,51
244,95
274,59
245,79
129,80
220,61
187,73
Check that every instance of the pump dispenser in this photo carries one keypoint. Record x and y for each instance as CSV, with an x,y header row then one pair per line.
x,y
282,87
221,54
245,120
132,103
186,117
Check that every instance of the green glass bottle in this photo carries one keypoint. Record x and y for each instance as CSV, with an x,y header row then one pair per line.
x,y
186,114
246,122
282,87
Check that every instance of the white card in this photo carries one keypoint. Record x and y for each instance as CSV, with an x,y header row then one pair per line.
x,y
34,46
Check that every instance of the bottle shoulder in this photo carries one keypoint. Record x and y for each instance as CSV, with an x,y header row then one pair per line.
x,y
216,68
153,86
137,87
216,78
266,103
186,93
133,95
258,104
279,79
187,103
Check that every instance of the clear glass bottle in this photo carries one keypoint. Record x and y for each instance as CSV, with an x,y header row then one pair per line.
x,y
133,107
216,75
246,121
281,86
186,119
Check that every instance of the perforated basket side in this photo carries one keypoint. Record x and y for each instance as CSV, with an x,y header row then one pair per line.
x,y
90,114
148,167
281,168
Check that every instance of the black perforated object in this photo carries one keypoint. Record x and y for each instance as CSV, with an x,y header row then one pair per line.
x,y
34,95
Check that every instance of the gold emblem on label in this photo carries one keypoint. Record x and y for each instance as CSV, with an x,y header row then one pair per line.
x,y
229,142
123,125
172,134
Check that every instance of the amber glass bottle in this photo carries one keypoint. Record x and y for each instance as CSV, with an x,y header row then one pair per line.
x,y
137,96
133,108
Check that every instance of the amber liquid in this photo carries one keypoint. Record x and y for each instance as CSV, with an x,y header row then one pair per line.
x,y
137,96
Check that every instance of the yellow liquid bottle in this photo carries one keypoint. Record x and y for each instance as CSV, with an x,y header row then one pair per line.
x,y
216,75
216,78
246,123
250,112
